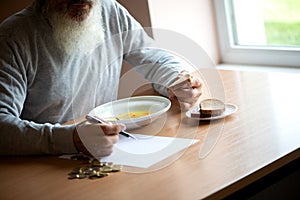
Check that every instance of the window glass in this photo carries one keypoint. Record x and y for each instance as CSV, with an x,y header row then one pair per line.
x,y
265,22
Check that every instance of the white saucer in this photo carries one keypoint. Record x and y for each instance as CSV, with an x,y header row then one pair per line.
x,y
229,109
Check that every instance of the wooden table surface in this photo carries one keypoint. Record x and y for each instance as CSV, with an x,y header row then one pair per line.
x,y
262,136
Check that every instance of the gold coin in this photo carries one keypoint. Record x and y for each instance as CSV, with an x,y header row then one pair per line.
x,y
97,163
116,168
77,176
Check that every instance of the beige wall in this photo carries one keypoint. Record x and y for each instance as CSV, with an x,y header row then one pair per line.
x,y
192,18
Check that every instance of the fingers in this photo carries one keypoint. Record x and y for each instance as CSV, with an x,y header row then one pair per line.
x,y
112,129
103,147
196,82
186,95
97,140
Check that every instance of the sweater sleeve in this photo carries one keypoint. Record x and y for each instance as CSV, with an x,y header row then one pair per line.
x,y
19,136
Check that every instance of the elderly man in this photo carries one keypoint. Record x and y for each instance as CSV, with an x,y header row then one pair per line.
x,y
61,58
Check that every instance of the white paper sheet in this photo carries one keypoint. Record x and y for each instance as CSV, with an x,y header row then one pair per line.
x,y
146,150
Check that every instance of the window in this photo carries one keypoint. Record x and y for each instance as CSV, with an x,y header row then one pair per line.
x,y
261,32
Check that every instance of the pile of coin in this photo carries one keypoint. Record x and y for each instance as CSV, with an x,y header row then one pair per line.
x,y
94,170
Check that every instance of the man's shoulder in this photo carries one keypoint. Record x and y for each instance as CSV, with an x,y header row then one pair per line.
x,y
109,5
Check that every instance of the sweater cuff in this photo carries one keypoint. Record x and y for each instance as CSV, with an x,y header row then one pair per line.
x,y
63,139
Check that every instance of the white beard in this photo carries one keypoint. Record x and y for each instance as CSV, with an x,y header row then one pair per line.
x,y
73,36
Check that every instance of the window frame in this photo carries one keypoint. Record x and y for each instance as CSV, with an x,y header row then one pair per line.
x,y
249,55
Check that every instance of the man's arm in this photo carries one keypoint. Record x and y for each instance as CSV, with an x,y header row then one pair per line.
x,y
21,137
18,136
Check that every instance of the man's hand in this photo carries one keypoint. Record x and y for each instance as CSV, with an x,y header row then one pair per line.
x,y
96,140
185,91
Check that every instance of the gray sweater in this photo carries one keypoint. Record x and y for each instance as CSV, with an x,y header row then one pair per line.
x,y
41,88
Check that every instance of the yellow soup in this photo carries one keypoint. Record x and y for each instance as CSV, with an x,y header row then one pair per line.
x,y
135,114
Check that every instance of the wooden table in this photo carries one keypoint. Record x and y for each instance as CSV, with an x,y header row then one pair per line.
x,y
262,136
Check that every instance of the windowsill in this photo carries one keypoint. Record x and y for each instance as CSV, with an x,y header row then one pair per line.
x,y
258,68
